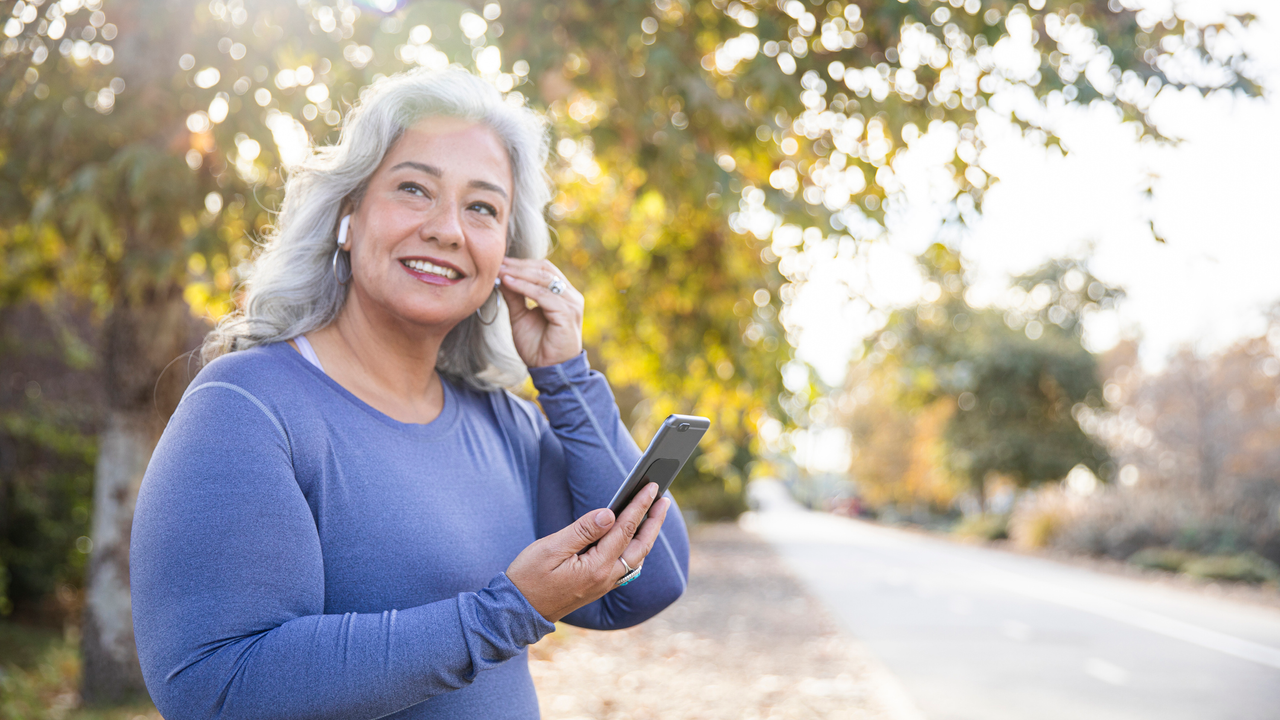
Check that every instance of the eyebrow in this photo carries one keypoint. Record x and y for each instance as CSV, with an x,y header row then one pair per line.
x,y
435,171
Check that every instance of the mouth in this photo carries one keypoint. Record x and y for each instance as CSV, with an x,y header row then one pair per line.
x,y
436,268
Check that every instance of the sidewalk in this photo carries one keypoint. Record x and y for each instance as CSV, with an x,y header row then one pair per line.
x,y
745,642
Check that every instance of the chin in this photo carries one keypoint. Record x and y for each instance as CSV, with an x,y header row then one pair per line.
x,y
433,317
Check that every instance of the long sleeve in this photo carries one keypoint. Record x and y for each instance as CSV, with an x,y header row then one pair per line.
x,y
585,454
228,588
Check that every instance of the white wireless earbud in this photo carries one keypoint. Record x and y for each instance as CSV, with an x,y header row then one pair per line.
x,y
342,231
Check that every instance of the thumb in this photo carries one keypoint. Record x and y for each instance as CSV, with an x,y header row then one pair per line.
x,y
588,529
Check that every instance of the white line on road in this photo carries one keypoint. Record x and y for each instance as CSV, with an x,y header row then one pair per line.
x,y
799,525
1137,617
1106,672
1015,630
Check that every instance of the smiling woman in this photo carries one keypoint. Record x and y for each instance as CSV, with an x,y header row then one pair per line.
x,y
427,236
346,516
290,289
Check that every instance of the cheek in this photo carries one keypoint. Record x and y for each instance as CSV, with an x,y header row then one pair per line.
x,y
372,264
491,247
390,222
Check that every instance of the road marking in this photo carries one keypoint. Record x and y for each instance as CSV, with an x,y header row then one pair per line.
x,y
1106,672
961,605
1137,617
802,526
1015,630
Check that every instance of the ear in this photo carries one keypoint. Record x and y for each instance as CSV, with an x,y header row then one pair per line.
x,y
348,205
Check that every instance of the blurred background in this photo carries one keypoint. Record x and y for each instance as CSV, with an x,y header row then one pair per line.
x,y
996,272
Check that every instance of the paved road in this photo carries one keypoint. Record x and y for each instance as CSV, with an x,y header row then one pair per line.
x,y
979,634
745,642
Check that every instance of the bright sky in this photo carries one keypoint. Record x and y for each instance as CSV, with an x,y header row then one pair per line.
x,y
1216,201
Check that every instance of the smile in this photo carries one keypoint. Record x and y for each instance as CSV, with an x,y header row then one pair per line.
x,y
425,268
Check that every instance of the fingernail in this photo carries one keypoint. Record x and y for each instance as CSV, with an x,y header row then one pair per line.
x,y
604,518
653,490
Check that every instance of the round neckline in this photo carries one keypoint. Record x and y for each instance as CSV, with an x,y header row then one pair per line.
x,y
440,426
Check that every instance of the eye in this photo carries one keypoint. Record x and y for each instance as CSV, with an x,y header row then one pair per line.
x,y
413,186
485,208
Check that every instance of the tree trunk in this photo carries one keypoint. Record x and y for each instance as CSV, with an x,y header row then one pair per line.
x,y
109,657
139,342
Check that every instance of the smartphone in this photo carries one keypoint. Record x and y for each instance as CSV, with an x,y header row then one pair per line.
x,y
662,460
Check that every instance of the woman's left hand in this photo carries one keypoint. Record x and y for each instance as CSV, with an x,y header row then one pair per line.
x,y
552,332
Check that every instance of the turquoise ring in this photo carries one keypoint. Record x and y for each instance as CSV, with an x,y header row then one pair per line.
x,y
632,574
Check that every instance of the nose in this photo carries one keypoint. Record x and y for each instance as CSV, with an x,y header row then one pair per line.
x,y
444,225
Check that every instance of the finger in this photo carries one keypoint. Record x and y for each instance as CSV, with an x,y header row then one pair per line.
x,y
534,264
640,546
564,304
587,529
538,265
540,272
618,537
515,302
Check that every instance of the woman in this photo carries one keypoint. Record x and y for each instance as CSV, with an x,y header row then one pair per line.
x,y
345,518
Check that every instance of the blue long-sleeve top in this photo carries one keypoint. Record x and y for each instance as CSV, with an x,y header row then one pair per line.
x,y
297,553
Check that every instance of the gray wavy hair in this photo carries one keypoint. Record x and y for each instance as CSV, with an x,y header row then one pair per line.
x,y
290,289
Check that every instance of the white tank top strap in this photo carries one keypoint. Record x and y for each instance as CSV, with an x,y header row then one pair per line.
x,y
308,352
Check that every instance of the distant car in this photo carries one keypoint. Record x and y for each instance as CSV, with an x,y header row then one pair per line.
x,y
846,506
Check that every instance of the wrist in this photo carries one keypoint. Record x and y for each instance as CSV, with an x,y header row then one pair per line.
x,y
540,624
553,360
557,376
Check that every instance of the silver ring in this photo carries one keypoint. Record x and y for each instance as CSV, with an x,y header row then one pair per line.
x,y
556,287
632,573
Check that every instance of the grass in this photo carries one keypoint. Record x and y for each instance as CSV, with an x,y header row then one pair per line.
x,y
40,677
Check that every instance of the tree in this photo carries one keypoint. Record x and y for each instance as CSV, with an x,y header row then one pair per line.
x,y
1203,434
144,144
899,453
1198,443
1009,385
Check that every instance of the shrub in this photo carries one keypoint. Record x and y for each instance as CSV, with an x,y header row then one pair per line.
x,y
6,605
1245,567
709,501
1041,529
44,506
710,494
987,526
1158,558
1117,523
1040,516
40,673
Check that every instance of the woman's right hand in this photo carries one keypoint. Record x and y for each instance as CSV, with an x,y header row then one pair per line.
x,y
556,580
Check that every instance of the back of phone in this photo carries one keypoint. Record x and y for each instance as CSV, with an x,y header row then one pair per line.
x,y
663,459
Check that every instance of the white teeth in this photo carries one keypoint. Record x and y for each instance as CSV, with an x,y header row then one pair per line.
x,y
426,267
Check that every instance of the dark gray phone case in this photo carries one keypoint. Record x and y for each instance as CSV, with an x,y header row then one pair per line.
x,y
662,460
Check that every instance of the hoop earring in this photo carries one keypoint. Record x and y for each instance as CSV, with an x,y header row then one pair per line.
x,y
335,267
496,309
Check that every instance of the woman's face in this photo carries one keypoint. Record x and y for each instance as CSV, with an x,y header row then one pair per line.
x,y
429,236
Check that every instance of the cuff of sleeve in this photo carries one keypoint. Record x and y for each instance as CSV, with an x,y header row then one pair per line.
x,y
538,625
498,622
551,378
